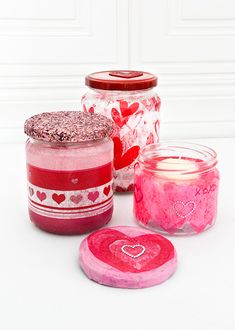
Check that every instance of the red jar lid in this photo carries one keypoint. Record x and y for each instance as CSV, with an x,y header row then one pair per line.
x,y
122,80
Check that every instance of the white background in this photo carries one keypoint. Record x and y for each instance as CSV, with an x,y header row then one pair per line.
x,y
46,49
48,46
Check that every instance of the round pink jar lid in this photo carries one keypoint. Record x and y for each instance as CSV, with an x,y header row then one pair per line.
x,y
127,257
122,80
68,126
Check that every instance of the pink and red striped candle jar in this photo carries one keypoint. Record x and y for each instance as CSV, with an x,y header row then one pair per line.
x,y
69,168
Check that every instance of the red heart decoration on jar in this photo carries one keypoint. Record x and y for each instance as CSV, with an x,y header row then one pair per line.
x,y
130,254
41,196
126,110
121,159
58,198
93,195
106,190
76,199
117,118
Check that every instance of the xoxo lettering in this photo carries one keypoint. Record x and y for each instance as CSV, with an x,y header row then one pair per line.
x,y
205,190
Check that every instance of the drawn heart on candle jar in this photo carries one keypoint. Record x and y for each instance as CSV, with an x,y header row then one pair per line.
x,y
117,118
142,253
183,210
76,199
92,196
31,191
138,194
122,160
126,110
41,196
58,198
106,190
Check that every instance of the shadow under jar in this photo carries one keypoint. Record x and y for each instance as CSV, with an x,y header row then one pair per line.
x,y
69,168
130,100
176,188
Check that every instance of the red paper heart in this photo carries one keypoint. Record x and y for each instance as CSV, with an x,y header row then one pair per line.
x,y
128,111
122,160
41,196
107,190
117,118
92,196
58,198
76,199
113,247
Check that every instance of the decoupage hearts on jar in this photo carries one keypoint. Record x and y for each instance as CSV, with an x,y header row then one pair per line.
x,y
121,159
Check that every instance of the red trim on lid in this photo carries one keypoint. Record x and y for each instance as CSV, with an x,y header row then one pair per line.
x,y
126,80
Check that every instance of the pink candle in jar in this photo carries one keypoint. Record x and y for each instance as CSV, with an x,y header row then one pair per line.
x,y
129,99
176,188
69,168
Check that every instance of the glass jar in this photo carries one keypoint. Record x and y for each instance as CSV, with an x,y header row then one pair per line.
x,y
129,99
176,188
69,168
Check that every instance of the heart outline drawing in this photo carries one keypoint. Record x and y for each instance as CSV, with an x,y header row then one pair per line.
x,y
180,212
123,249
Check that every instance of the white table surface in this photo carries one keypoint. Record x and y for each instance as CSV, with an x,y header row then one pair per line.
x,y
43,288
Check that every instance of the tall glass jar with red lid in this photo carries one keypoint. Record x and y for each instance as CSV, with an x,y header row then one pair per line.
x,y
130,100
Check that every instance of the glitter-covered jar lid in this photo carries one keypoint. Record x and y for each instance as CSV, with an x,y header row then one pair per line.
x,y
68,127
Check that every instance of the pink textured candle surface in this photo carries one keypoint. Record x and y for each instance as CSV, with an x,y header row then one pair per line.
x,y
176,204
127,257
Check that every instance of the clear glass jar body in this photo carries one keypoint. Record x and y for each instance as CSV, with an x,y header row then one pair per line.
x,y
176,188
136,118
70,185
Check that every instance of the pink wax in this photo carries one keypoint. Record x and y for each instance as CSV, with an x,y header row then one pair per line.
x,y
127,257
69,184
176,195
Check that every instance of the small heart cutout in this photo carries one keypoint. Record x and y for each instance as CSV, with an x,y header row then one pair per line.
x,y
58,198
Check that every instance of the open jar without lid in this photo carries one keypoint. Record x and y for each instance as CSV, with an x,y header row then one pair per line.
x,y
129,99
69,167
176,188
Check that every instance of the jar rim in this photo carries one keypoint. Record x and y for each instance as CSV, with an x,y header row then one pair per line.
x,y
173,152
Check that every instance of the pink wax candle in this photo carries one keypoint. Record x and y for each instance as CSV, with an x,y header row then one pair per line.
x,y
176,188
69,167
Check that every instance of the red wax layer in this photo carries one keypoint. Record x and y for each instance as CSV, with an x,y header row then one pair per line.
x,y
70,226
